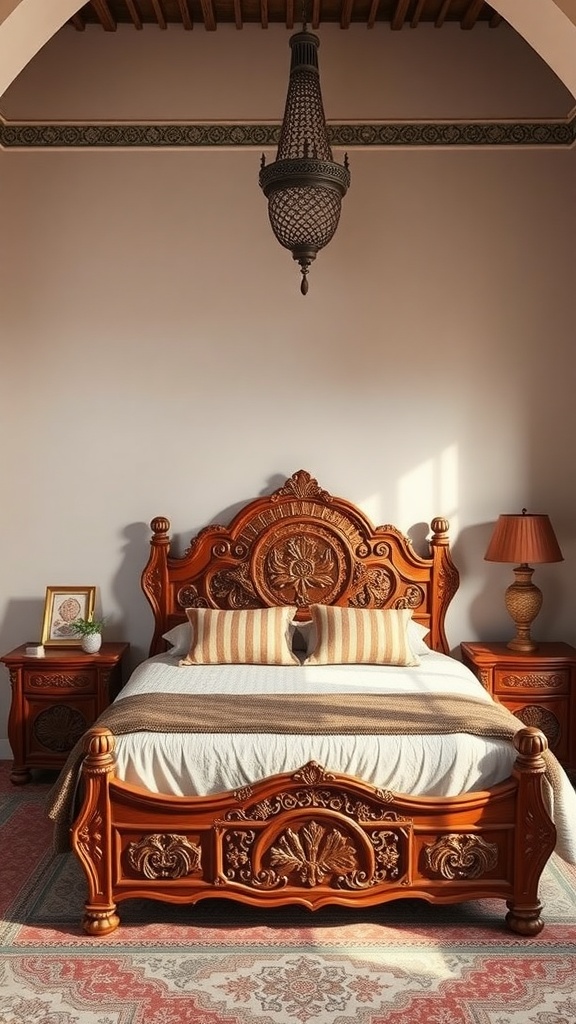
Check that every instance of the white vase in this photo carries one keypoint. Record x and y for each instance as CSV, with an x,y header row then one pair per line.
x,y
91,643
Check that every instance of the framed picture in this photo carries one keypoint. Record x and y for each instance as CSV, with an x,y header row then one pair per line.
x,y
62,606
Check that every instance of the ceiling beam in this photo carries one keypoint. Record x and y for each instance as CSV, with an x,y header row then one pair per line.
x,y
417,12
208,15
441,16
290,14
134,14
496,20
264,13
399,16
159,14
346,15
185,14
372,13
78,22
104,16
471,16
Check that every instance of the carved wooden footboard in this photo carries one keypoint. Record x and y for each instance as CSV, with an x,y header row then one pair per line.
x,y
313,838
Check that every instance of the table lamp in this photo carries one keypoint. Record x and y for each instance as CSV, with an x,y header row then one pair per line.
x,y
524,538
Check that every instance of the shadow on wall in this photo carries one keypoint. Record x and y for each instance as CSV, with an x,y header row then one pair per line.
x,y
23,621
135,621
419,535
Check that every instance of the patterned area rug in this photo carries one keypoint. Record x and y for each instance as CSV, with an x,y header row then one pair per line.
x,y
221,963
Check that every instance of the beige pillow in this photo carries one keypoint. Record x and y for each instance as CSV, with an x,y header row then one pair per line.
x,y
361,636
255,636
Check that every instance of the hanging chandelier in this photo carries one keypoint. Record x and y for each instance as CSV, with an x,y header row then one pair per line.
x,y
304,186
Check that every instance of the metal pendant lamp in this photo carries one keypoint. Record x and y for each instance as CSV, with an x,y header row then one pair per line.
x,y
304,186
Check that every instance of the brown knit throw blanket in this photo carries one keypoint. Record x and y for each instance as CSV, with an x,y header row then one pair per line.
x,y
309,713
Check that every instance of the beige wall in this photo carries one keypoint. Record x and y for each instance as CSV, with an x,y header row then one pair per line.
x,y
158,358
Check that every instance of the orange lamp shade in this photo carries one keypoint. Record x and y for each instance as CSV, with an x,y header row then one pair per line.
x,y
523,539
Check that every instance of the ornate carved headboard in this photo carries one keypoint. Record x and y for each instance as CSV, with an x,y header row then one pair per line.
x,y
300,546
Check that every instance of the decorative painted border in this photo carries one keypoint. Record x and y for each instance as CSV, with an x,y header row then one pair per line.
x,y
226,135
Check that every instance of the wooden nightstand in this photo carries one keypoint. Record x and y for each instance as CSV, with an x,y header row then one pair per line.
x,y
539,688
55,699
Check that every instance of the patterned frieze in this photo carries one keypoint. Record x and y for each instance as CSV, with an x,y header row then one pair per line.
x,y
426,134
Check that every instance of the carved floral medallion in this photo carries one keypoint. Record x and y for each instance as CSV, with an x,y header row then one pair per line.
x,y
163,855
461,856
314,853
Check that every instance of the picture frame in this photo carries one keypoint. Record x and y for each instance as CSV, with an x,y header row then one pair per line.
x,y
62,605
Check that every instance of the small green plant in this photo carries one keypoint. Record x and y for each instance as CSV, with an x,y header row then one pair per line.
x,y
86,627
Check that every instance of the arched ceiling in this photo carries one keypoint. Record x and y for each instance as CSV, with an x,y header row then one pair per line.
x,y
108,14
549,26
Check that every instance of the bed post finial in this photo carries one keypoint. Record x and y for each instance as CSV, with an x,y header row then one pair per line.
x,y
440,527
445,580
160,527
155,577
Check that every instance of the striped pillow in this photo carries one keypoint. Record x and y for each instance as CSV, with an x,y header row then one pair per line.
x,y
255,636
361,636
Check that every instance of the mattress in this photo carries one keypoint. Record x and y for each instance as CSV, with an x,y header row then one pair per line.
x,y
202,764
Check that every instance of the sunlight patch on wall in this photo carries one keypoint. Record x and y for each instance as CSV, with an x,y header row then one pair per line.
x,y
430,489
448,497
372,507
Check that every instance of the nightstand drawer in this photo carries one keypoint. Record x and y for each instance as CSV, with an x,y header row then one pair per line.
x,y
535,680
35,681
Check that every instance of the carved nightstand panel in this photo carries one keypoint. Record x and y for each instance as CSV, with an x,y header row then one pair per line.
x,y
515,681
55,699
539,688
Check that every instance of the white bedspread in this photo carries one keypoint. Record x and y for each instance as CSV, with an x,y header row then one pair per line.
x,y
202,764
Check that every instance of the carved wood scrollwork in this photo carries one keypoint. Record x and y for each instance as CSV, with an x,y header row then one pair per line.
x,y
412,597
304,568
90,836
233,588
535,680
285,565
90,840
312,774
319,794
163,855
188,597
331,799
448,582
485,676
302,485
372,587
63,681
539,836
315,854
349,841
460,856
152,581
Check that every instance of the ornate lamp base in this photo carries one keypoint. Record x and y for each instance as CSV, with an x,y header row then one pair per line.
x,y
523,602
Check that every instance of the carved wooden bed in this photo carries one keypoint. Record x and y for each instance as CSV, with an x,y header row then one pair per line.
x,y
133,843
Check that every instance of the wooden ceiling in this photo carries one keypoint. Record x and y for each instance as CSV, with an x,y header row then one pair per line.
x,y
399,14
